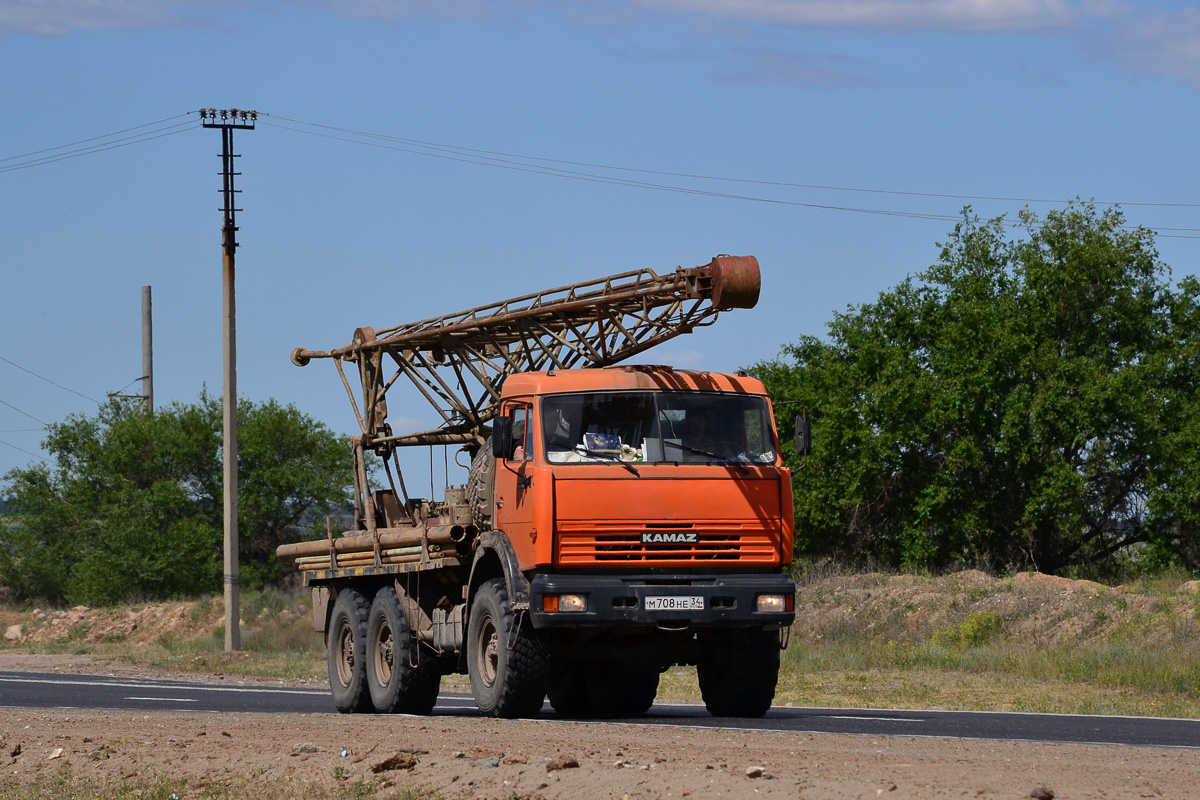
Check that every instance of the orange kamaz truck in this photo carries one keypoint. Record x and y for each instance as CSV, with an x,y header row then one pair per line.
x,y
616,519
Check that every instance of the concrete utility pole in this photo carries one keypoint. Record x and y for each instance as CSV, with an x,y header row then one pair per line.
x,y
230,120
147,350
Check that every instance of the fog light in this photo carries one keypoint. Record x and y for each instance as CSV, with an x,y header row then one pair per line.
x,y
769,603
572,602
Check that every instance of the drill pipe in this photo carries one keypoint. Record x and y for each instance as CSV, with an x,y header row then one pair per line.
x,y
324,564
388,537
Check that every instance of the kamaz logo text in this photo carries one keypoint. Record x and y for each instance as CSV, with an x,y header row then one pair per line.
x,y
670,537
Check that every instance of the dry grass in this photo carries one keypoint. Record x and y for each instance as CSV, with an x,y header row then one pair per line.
x,y
963,641
967,641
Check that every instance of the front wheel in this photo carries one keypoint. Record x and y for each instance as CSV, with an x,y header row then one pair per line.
x,y
401,679
346,645
507,663
738,671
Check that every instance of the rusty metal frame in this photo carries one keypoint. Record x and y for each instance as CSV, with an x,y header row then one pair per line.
x,y
458,362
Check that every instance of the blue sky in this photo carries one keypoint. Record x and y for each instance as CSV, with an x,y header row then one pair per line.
x,y
1023,99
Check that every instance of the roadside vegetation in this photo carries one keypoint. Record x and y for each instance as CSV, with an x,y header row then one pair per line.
x,y
966,641
1031,401
129,506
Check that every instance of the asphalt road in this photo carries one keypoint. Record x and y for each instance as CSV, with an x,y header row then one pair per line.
x,y
36,690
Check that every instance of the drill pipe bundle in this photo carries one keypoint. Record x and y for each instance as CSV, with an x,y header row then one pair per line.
x,y
390,552
317,563
389,538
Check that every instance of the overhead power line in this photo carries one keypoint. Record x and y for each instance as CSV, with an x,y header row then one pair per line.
x,y
546,166
95,138
26,413
97,144
26,452
47,380
699,176
588,171
593,178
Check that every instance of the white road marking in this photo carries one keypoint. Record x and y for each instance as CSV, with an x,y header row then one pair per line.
x,y
875,719
196,688
166,699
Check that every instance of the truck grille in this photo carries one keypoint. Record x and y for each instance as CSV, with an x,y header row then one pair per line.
x,y
621,544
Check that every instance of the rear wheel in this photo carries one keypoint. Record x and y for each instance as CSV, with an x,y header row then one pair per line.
x,y
346,656
568,691
617,693
602,690
396,683
507,663
738,672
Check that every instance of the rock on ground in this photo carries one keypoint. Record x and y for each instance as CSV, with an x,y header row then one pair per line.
x,y
435,754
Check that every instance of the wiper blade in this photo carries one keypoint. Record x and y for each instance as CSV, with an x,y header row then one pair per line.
x,y
719,459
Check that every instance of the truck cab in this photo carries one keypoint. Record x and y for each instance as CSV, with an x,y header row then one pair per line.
x,y
651,514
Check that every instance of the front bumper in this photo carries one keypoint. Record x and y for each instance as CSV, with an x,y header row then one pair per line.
x,y
620,600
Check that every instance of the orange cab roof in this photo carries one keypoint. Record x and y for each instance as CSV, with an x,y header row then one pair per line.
x,y
628,378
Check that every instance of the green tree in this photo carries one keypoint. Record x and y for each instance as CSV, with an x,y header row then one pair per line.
x,y
1023,402
1175,499
291,472
130,505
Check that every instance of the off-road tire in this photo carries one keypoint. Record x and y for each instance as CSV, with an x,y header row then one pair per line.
x,y
738,672
480,487
568,692
346,638
396,685
597,689
506,681
624,694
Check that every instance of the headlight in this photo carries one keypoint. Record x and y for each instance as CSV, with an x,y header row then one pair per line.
x,y
564,602
770,603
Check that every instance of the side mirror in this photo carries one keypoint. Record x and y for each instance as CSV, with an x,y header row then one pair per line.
x,y
803,435
502,437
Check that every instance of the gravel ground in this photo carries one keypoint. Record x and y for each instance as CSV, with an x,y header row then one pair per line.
x,y
478,758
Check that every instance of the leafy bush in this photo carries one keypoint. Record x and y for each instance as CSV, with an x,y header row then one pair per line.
x,y
130,507
975,630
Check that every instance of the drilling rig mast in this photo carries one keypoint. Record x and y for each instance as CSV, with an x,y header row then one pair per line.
x,y
459,361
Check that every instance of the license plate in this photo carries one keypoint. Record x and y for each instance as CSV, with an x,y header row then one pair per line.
x,y
674,603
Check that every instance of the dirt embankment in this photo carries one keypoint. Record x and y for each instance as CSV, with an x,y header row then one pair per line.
x,y
1030,608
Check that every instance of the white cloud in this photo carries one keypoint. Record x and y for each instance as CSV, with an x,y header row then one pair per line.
x,y
401,9
1152,44
955,15
58,17
1165,45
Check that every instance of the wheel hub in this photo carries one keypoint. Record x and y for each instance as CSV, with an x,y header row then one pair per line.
x,y
384,654
489,662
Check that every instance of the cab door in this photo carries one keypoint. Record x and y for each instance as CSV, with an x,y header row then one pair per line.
x,y
515,481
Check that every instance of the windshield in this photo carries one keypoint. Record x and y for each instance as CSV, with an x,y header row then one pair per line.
x,y
657,427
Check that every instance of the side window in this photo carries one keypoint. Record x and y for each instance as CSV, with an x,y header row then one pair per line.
x,y
522,433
